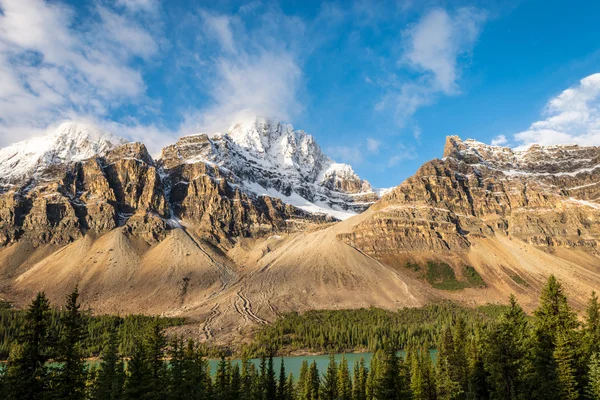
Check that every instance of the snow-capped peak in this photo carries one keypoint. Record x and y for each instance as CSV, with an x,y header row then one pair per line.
x,y
70,142
268,157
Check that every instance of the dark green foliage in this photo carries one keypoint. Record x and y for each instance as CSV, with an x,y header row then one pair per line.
x,y
490,353
12,323
473,277
70,377
367,329
26,372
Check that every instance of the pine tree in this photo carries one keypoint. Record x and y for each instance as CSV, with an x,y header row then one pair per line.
x,y
447,388
478,375
177,370
329,382
551,318
282,385
506,353
591,328
138,374
359,388
314,381
564,355
344,382
593,388
302,387
71,375
388,384
111,377
157,379
271,381
235,384
222,379
290,388
27,374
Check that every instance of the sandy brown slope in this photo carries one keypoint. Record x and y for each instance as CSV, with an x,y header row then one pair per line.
x,y
226,297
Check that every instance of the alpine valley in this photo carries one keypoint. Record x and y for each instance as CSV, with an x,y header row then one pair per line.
x,y
231,229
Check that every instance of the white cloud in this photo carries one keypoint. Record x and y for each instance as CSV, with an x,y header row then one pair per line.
x,y
437,41
499,140
373,145
434,48
254,72
220,25
572,117
51,71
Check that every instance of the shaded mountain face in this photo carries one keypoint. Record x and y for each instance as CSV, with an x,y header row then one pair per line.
x,y
221,229
545,196
260,178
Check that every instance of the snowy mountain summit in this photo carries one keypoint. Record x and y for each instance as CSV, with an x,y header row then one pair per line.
x,y
70,142
257,157
266,157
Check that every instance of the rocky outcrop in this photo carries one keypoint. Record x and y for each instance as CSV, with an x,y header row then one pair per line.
x,y
545,196
72,191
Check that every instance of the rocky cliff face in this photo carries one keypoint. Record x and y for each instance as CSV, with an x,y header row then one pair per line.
x,y
261,177
546,196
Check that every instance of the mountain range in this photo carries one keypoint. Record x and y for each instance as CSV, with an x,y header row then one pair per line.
x,y
232,229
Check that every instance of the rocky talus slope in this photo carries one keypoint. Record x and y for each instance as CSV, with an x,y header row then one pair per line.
x,y
228,229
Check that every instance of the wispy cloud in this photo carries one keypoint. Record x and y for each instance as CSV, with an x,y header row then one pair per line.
x,y
253,73
55,69
434,49
403,153
572,117
373,145
499,140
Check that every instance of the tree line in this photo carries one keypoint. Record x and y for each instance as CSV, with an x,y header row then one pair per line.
x,y
12,323
549,355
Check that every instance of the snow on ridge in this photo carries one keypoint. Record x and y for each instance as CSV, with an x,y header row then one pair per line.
x,y
536,160
69,142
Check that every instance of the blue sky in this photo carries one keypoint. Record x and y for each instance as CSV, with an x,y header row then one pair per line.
x,y
379,84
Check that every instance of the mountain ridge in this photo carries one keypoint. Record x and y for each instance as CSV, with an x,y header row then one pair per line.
x,y
183,236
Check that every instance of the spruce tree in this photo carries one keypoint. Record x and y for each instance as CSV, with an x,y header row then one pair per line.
x,y
71,375
27,373
302,387
290,388
360,380
593,388
506,353
344,382
314,381
111,377
282,384
235,383
551,318
222,379
329,382
138,374
155,353
446,387
564,355
591,329
388,384
271,381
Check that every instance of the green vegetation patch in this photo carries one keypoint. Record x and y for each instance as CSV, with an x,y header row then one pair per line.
x,y
12,325
473,277
442,276
518,280
412,266
326,331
